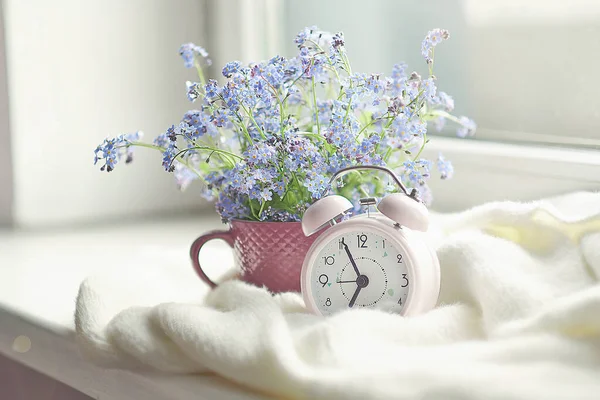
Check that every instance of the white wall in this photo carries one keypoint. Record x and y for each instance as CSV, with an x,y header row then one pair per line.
x,y
80,71
5,159
245,30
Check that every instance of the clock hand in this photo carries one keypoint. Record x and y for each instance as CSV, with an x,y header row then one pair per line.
x,y
345,282
350,257
354,296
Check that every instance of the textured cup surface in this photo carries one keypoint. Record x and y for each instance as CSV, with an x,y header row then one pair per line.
x,y
266,253
271,253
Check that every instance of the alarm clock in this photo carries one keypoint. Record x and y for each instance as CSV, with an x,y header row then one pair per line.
x,y
374,260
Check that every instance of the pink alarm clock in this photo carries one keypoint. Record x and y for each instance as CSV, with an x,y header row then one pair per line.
x,y
375,260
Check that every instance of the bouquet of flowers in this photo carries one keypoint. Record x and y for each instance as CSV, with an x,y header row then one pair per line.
x,y
265,143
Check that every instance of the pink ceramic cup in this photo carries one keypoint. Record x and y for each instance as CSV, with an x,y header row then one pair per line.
x,y
267,253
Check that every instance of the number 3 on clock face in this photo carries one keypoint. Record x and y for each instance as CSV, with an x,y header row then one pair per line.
x,y
359,269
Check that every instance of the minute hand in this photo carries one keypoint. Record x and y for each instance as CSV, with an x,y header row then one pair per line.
x,y
351,259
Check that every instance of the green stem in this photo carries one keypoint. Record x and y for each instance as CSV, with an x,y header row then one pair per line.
x,y
212,150
442,113
387,155
251,117
362,189
241,124
294,82
252,211
327,58
347,63
200,73
329,63
276,94
313,135
162,149
347,109
243,128
371,123
431,64
416,98
287,189
422,147
316,106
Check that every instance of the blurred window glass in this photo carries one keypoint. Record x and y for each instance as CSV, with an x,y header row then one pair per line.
x,y
523,70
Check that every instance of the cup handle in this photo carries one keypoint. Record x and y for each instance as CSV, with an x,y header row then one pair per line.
x,y
197,246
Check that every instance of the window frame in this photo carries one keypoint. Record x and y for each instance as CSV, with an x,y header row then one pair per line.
x,y
487,171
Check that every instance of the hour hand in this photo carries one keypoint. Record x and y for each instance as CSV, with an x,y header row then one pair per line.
x,y
354,297
350,257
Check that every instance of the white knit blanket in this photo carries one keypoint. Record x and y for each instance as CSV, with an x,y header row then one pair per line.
x,y
518,318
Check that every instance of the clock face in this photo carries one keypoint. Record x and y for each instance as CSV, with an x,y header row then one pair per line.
x,y
360,269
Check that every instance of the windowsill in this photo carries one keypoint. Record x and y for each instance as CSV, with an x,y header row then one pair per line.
x,y
40,275
491,171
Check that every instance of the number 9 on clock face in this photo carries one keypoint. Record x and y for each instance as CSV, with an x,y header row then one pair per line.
x,y
359,269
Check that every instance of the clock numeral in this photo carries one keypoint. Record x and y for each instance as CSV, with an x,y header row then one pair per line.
x,y
323,279
362,241
399,258
328,260
405,280
341,244
328,302
383,243
400,301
